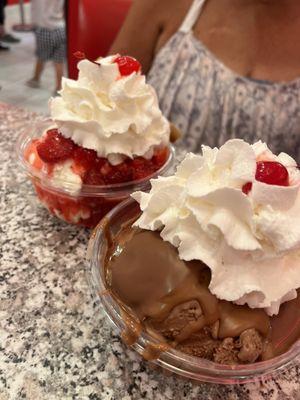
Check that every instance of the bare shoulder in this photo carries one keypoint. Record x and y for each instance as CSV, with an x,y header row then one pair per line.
x,y
148,24
159,10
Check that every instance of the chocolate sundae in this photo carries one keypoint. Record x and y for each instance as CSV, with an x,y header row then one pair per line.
x,y
211,266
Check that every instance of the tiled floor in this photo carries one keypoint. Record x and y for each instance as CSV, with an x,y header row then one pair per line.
x,y
16,68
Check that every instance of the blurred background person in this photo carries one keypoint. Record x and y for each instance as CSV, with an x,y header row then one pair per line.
x,y
222,68
4,36
49,27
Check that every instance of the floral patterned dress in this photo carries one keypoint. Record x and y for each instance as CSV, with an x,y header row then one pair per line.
x,y
211,104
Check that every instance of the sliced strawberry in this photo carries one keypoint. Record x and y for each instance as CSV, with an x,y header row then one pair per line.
x,y
126,170
119,174
106,169
137,162
143,172
100,162
85,157
54,147
160,157
93,177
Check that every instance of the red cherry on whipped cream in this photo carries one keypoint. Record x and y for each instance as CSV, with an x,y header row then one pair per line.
x,y
269,172
272,173
54,147
127,65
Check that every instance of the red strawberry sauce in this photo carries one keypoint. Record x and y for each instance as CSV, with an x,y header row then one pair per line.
x,y
53,148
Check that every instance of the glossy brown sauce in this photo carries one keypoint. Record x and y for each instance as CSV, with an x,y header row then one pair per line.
x,y
148,279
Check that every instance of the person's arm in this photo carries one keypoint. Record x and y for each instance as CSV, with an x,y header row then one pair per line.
x,y
141,30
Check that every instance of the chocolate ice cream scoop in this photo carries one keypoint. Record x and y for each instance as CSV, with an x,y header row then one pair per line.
x,y
170,299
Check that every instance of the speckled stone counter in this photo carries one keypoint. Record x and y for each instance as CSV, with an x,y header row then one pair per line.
x,y
54,343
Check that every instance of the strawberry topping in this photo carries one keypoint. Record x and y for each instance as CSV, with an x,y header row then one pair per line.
x,y
92,169
119,174
85,157
93,177
127,65
160,156
54,147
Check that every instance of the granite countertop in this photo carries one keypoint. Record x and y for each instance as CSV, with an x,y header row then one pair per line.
x,y
54,342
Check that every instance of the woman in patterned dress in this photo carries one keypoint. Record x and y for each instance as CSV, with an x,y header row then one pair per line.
x,y
222,68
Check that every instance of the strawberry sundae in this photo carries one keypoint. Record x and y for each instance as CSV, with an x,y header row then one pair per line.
x,y
107,137
211,265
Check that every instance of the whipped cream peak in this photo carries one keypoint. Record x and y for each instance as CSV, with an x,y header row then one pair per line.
x,y
251,242
117,116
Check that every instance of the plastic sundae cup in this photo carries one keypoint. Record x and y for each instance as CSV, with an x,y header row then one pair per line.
x,y
88,205
177,362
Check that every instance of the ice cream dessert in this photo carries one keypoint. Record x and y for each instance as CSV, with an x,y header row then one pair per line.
x,y
211,265
107,131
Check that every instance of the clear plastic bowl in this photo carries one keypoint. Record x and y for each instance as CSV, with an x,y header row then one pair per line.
x,y
87,206
175,361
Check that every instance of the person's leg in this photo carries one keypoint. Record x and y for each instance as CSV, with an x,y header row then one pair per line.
x,y
34,82
59,54
39,67
59,69
42,54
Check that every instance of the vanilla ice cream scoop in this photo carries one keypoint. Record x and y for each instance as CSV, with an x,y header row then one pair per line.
x,y
250,239
114,114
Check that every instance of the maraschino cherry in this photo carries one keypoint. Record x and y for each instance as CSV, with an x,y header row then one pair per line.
x,y
271,173
127,65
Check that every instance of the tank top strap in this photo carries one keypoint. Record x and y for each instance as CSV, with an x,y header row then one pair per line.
x,y
192,16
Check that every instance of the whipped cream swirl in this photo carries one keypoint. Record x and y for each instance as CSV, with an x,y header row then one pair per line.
x,y
250,242
114,115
